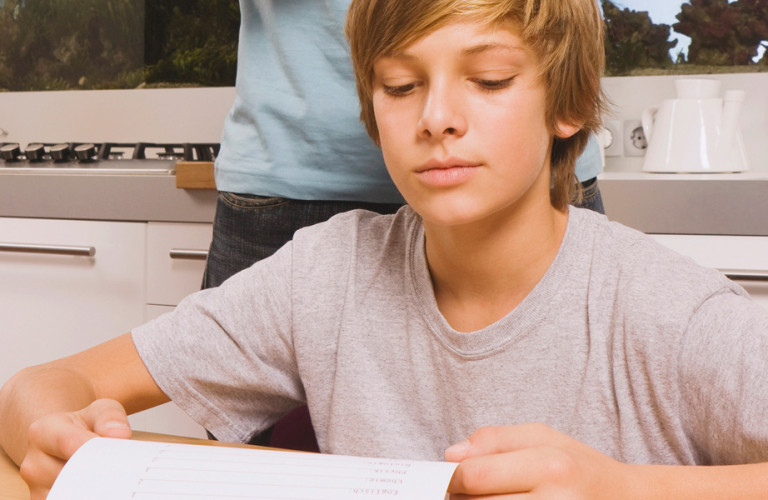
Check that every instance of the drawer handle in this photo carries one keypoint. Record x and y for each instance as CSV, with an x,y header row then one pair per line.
x,y
188,254
48,249
746,275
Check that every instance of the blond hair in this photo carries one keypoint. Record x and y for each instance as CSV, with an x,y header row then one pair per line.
x,y
566,35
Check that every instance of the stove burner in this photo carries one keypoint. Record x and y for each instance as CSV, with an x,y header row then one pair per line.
x,y
10,152
112,156
60,152
34,152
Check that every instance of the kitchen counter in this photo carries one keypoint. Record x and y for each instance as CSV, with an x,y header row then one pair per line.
x,y
712,204
92,196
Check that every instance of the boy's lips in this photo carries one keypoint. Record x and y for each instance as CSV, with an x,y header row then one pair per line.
x,y
446,172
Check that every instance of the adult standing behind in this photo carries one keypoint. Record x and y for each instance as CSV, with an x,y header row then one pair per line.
x,y
293,149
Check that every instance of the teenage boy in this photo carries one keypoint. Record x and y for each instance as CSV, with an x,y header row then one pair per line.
x,y
569,357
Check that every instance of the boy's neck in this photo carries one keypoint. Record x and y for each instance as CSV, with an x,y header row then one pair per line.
x,y
480,272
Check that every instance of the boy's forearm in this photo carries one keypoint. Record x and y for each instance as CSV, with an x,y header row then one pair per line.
x,y
33,393
737,482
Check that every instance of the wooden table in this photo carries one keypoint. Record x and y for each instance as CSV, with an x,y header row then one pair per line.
x,y
11,485
13,488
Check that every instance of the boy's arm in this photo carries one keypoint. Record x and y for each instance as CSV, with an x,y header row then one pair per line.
x,y
48,411
537,459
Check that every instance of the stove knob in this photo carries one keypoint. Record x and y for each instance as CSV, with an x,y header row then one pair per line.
x,y
85,152
10,152
60,152
34,152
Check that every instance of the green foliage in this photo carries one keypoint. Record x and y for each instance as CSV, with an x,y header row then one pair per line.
x,y
192,41
633,41
723,33
101,44
55,44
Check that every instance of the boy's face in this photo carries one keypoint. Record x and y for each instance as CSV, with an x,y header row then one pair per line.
x,y
461,120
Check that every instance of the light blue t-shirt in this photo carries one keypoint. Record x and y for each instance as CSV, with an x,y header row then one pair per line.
x,y
294,129
590,163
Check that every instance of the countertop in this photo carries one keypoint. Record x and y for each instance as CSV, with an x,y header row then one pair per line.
x,y
712,204
93,196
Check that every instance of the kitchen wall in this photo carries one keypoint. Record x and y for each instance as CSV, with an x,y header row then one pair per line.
x,y
148,115
197,114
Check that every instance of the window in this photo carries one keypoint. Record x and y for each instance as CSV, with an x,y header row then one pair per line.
x,y
106,44
653,37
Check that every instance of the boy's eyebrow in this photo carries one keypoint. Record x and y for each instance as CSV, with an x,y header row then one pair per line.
x,y
469,51
477,49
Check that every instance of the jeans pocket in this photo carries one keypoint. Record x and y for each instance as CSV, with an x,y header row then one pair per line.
x,y
236,200
589,189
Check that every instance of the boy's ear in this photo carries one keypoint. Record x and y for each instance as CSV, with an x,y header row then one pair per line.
x,y
564,130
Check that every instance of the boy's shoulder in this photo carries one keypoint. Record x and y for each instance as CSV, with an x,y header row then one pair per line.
x,y
359,231
360,221
643,272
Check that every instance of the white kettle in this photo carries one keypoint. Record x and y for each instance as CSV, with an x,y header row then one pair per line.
x,y
696,132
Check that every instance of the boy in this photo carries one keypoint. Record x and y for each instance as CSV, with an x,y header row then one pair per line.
x,y
485,305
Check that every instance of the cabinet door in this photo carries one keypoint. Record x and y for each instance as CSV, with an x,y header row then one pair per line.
x,y
56,304
744,258
176,254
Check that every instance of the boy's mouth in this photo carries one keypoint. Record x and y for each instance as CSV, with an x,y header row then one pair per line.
x,y
446,172
447,163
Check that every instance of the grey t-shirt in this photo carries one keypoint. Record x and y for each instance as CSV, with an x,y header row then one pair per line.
x,y
623,344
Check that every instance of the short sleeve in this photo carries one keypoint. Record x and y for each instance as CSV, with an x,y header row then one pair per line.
x,y
222,347
724,380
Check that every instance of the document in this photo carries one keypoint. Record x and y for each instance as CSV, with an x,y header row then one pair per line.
x,y
114,469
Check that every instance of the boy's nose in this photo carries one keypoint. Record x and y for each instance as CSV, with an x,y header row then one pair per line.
x,y
442,115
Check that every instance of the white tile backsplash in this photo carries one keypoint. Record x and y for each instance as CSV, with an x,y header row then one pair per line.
x,y
148,115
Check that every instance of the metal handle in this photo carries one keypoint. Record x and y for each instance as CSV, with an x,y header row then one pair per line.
x,y
48,249
746,275
188,254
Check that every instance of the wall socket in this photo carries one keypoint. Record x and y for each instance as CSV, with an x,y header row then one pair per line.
x,y
634,140
611,138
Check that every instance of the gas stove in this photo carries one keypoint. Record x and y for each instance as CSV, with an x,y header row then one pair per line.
x,y
106,158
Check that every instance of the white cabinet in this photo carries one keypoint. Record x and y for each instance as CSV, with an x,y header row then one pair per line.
x,y
176,255
744,258
57,299
66,285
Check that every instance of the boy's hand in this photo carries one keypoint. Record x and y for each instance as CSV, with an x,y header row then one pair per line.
x,y
54,438
533,459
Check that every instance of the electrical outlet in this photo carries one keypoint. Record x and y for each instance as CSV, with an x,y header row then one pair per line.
x,y
611,138
634,140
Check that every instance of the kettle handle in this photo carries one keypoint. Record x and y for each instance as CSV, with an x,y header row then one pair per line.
x,y
646,119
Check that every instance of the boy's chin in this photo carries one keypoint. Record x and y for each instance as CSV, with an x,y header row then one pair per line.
x,y
453,216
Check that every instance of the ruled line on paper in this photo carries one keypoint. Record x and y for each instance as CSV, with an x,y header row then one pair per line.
x,y
163,471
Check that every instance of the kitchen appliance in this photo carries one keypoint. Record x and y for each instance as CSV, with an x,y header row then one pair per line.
x,y
697,132
101,158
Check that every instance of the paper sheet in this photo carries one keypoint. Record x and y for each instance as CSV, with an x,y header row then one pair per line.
x,y
111,469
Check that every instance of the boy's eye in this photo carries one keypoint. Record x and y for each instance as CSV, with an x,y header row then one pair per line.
x,y
398,90
494,85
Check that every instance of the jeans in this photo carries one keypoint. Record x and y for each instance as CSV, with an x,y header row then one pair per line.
x,y
591,197
248,228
